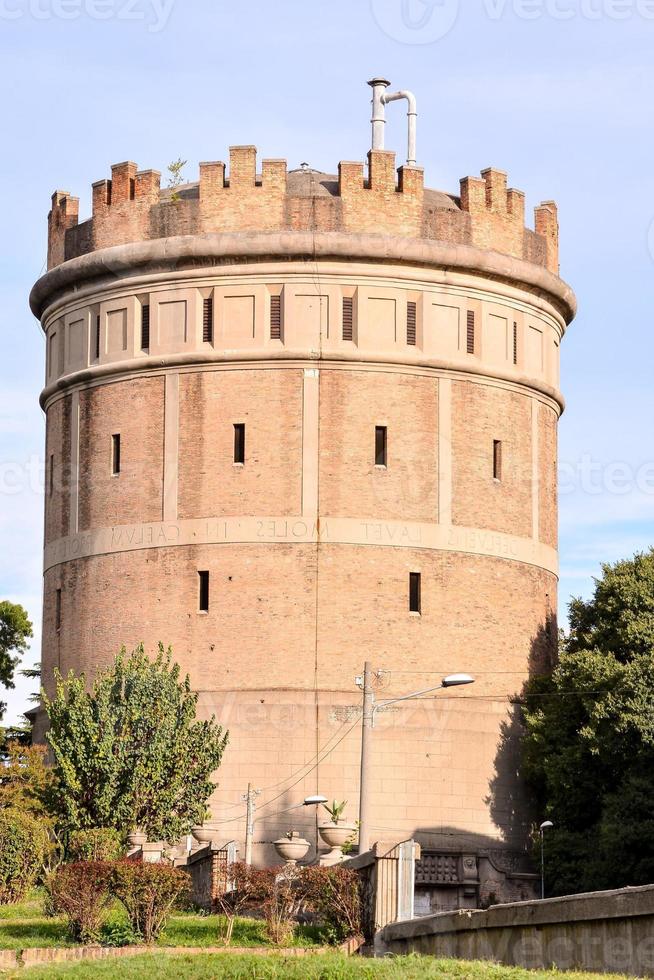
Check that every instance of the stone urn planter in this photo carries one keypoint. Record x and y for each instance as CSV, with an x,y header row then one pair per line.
x,y
137,837
337,834
292,848
203,835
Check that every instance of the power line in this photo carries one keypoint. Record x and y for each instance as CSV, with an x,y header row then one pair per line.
x,y
303,776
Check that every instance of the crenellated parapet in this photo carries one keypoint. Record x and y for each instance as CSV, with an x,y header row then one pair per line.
x,y
373,199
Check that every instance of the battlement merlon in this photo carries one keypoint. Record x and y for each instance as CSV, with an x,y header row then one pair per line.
x,y
372,199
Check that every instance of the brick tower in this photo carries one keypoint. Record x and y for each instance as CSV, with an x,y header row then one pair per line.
x,y
296,421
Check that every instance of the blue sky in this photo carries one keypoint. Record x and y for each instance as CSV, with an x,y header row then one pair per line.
x,y
558,92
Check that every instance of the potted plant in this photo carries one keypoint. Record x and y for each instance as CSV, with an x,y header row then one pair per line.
x,y
137,837
337,831
292,848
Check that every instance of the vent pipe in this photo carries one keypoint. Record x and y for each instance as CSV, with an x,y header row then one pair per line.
x,y
380,99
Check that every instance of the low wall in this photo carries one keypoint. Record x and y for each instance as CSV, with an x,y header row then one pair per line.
x,y
610,931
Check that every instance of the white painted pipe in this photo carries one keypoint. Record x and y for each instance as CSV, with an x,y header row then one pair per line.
x,y
379,100
411,118
379,86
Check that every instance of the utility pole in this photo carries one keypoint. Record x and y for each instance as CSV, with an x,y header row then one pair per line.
x,y
366,758
370,706
249,798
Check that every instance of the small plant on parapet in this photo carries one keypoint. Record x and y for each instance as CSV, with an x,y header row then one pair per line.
x,y
335,810
176,179
350,843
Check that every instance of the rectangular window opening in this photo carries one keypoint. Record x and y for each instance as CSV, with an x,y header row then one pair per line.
x,y
97,337
132,188
239,442
411,319
470,332
115,454
58,609
381,445
515,343
497,459
203,589
145,326
275,317
414,592
207,320
348,318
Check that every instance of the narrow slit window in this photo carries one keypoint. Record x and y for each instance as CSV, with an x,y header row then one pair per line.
x,y
115,454
145,326
348,318
275,317
58,609
381,445
239,442
207,320
203,589
411,318
132,188
51,475
97,337
515,343
470,332
415,587
497,459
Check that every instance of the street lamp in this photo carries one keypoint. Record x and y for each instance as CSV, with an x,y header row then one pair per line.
x,y
370,707
543,827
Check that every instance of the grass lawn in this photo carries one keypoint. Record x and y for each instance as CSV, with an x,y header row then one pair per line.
x,y
24,925
329,966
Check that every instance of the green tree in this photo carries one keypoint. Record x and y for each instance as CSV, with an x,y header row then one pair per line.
x,y
129,752
15,631
589,744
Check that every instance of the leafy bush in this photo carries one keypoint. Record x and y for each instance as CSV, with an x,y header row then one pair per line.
x,y
245,888
118,934
148,892
80,891
334,894
24,844
281,902
99,844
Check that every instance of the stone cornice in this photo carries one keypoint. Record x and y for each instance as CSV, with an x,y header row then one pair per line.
x,y
120,262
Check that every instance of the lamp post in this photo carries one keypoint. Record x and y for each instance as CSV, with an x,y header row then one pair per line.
x,y
543,827
370,707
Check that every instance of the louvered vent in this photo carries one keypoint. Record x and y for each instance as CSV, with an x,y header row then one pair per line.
x,y
97,337
411,324
145,327
470,333
515,343
275,318
207,321
348,318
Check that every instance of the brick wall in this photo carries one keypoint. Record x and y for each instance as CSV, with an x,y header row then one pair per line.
x,y
134,410
376,199
269,404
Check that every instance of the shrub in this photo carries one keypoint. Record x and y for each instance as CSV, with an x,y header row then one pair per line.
x,y
246,887
98,844
80,891
23,846
148,892
334,894
281,902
